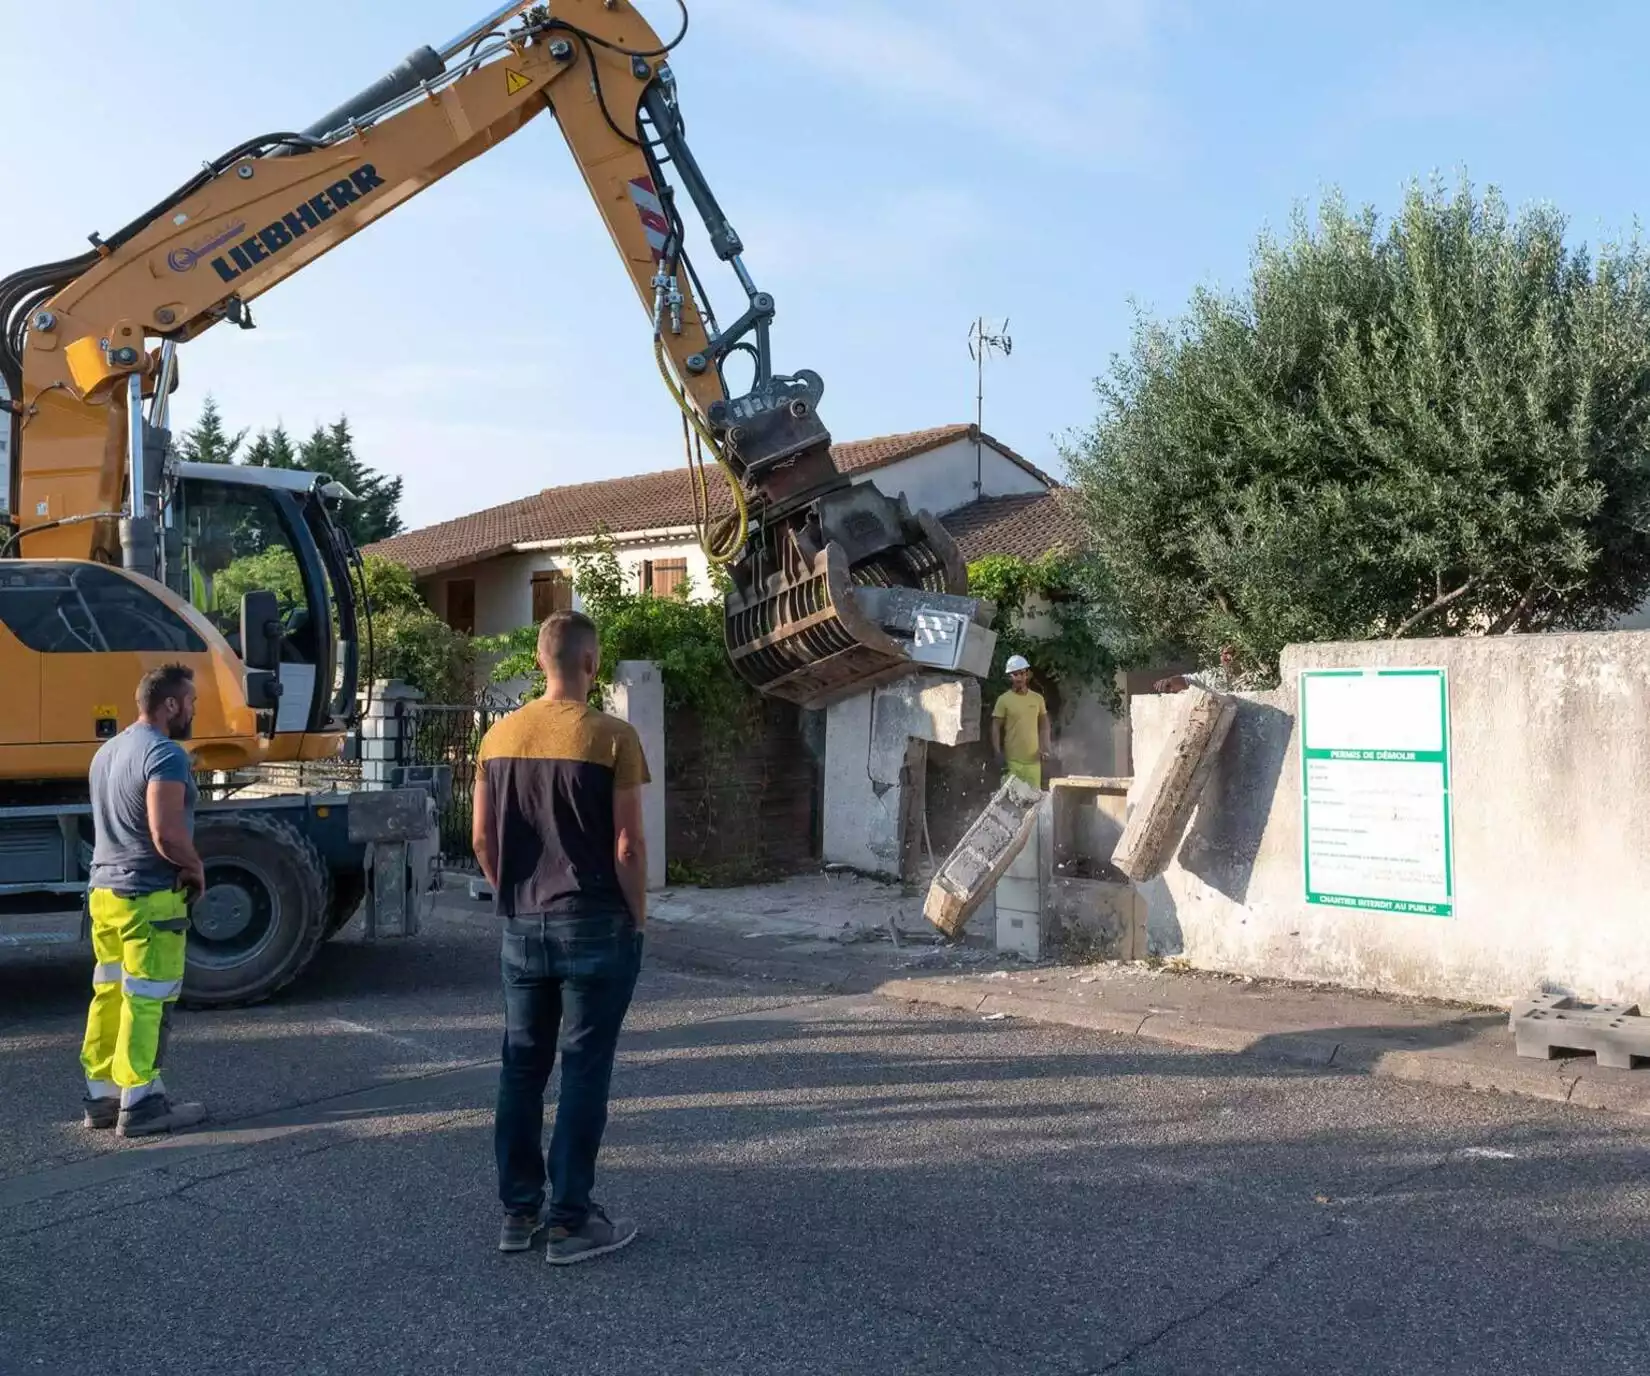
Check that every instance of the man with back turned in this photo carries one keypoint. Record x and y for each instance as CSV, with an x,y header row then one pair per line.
x,y
557,829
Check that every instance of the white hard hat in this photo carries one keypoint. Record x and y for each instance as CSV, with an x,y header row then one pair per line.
x,y
1017,664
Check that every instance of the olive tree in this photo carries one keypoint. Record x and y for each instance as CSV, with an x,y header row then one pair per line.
x,y
1436,426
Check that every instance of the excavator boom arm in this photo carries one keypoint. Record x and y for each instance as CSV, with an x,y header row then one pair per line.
x,y
814,559
206,255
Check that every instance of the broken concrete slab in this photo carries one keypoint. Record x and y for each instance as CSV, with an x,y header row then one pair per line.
x,y
983,856
925,707
1158,821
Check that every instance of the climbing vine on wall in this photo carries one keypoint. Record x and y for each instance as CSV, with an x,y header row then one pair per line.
x,y
1046,612
681,635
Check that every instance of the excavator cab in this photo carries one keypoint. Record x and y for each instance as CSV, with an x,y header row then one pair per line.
x,y
230,530
76,635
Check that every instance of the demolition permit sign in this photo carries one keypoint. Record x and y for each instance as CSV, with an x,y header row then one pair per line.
x,y
1375,790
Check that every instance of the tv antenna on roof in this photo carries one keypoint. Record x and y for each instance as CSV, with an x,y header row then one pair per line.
x,y
984,340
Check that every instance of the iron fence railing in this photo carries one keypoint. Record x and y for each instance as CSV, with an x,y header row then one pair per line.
x,y
449,735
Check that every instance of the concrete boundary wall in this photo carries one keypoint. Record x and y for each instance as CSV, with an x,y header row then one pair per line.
x,y
637,695
1550,772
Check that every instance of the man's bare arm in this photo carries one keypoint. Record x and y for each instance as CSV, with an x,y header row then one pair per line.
x,y
997,737
1045,742
630,849
167,806
483,835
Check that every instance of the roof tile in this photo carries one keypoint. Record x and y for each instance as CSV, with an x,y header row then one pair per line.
x,y
645,501
1028,525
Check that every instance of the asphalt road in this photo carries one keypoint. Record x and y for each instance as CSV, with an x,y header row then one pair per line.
x,y
825,1185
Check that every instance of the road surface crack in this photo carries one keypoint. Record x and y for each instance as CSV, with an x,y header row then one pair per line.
x,y
1233,1291
1271,1266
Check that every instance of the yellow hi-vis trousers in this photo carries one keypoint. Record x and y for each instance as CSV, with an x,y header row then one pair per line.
x,y
140,945
1026,771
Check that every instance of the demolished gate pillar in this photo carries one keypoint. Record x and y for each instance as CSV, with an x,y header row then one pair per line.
x,y
876,757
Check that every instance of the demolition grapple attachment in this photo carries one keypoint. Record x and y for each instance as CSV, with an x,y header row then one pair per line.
x,y
841,588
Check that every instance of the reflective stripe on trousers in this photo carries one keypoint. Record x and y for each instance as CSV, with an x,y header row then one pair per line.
x,y
140,945
1026,771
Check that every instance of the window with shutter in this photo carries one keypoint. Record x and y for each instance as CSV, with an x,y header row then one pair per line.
x,y
666,575
552,592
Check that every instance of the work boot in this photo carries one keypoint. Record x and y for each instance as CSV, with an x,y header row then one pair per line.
x,y
100,1113
595,1237
157,1113
517,1232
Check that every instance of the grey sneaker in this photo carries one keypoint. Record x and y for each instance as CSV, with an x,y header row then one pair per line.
x,y
100,1113
157,1114
517,1232
596,1237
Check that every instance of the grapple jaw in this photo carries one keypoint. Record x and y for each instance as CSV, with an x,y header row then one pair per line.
x,y
838,597
840,588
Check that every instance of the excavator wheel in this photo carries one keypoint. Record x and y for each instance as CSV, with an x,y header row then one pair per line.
x,y
264,913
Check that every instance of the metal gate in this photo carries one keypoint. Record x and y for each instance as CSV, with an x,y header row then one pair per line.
x,y
441,734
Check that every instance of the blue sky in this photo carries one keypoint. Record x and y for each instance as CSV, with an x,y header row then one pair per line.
x,y
894,168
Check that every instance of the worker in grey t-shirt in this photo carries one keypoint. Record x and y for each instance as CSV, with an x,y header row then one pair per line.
x,y
145,872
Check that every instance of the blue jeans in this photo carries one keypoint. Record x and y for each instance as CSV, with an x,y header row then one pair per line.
x,y
570,977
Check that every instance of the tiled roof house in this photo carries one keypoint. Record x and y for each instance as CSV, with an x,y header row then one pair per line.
x,y
503,567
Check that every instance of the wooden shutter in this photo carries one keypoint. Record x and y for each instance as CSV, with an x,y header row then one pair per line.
x,y
461,605
666,575
552,592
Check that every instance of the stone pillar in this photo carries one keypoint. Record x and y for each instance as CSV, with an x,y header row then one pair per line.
x,y
637,695
383,733
876,759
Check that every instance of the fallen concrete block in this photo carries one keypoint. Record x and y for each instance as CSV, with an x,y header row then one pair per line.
x,y
1552,1025
1159,819
980,859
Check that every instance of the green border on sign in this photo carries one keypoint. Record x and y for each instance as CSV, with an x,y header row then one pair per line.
x,y
1372,902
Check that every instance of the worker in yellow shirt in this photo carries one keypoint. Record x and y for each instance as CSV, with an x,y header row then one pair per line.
x,y
1019,726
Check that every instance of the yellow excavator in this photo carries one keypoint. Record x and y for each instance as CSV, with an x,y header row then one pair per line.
x,y
118,554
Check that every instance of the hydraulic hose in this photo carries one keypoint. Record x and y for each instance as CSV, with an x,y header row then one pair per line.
x,y
728,551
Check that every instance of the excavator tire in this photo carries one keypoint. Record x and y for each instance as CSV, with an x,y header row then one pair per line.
x,y
264,913
348,889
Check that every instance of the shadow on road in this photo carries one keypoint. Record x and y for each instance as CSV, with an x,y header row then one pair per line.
x,y
846,1185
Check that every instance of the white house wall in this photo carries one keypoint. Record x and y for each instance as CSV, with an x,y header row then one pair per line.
x,y
504,583
943,479
504,597
631,557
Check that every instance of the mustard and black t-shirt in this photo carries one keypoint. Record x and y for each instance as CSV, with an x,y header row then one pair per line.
x,y
550,770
